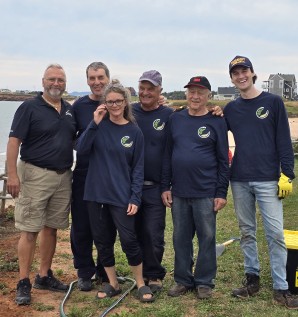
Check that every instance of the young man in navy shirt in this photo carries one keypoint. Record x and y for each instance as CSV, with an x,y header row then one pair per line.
x,y
262,173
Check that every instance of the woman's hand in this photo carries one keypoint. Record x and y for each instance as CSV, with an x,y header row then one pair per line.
x,y
99,113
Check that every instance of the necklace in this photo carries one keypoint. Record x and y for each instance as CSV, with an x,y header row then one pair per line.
x,y
57,107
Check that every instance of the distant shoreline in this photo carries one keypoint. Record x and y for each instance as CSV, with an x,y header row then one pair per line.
x,y
23,97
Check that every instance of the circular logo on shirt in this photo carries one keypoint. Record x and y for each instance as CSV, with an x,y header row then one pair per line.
x,y
261,115
157,125
125,141
202,134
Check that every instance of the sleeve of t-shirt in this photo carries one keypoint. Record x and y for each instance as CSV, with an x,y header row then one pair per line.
x,y
21,122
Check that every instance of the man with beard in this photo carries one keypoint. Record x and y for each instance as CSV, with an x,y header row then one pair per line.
x,y
43,129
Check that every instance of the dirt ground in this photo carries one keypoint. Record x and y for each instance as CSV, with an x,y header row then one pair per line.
x,y
44,303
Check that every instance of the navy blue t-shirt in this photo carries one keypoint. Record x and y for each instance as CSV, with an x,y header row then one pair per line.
x,y
262,137
116,162
47,136
196,162
83,109
153,125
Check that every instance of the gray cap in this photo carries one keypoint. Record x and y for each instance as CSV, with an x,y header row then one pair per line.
x,y
153,76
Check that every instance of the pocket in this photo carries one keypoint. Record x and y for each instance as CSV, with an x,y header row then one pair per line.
x,y
22,210
29,172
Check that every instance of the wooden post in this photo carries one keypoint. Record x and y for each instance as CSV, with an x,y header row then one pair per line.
x,y
4,191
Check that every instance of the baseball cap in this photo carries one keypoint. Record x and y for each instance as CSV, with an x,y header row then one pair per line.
x,y
240,61
153,76
199,81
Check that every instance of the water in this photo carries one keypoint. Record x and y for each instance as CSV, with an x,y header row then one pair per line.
x,y
7,111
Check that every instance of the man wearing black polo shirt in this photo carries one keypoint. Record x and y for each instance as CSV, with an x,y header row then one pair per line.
x,y
44,129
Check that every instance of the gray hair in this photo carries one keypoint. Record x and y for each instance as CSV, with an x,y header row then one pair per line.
x,y
96,66
55,65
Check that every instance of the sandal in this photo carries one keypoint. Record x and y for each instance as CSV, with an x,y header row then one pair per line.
x,y
155,285
109,290
144,290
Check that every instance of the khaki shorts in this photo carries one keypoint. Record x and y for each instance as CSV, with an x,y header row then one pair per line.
x,y
44,199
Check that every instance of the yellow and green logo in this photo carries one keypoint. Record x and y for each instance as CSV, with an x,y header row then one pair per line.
x,y
157,125
202,134
125,141
260,114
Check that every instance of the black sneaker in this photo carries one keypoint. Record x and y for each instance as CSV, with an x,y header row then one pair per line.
x,y
49,282
251,286
84,284
285,298
23,296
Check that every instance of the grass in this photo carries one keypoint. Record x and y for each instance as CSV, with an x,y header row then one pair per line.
x,y
42,307
229,275
291,106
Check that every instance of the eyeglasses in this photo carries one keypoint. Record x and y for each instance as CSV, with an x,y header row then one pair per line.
x,y
53,80
117,102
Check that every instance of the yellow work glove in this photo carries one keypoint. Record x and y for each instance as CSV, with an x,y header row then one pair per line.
x,y
284,187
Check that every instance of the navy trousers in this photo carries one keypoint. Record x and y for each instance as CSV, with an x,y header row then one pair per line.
x,y
106,220
150,227
80,234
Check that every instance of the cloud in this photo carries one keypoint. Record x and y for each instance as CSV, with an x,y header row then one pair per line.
x,y
179,38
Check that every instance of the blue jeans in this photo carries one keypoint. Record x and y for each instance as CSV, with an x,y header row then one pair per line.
x,y
245,195
192,216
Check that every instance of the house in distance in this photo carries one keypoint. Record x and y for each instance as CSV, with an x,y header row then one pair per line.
x,y
283,85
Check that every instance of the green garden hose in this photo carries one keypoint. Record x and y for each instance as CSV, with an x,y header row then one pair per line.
x,y
114,304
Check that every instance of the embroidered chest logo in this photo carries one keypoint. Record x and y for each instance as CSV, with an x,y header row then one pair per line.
x,y
157,125
202,134
125,141
260,114
68,113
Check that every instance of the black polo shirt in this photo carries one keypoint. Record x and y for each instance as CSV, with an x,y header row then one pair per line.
x,y
47,136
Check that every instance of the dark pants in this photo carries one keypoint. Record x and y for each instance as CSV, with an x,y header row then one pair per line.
x,y
80,234
150,226
105,220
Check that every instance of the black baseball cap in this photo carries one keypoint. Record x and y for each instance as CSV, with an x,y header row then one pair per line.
x,y
199,81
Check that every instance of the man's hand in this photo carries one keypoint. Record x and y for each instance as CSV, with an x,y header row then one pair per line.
x,y
162,100
216,110
167,198
13,185
284,187
132,209
219,203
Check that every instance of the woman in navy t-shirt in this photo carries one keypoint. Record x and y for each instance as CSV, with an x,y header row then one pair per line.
x,y
113,188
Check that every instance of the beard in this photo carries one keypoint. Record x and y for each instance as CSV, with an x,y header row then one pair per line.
x,y
55,92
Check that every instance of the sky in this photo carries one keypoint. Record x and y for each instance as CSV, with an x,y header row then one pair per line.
x,y
179,38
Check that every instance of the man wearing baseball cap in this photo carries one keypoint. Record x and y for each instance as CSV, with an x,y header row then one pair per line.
x,y
152,119
262,173
195,181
